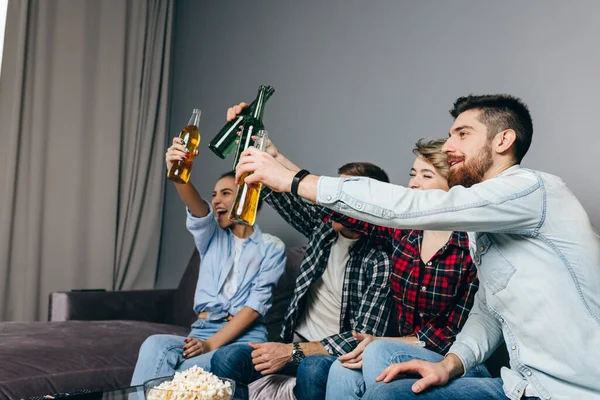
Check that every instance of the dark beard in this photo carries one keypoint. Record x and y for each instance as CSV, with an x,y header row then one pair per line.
x,y
472,172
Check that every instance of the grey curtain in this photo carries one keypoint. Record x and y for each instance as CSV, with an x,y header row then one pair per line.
x,y
83,116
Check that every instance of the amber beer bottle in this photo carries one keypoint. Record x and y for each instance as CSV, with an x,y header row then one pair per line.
x,y
224,142
245,205
190,135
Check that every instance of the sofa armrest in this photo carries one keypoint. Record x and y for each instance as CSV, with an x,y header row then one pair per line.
x,y
135,305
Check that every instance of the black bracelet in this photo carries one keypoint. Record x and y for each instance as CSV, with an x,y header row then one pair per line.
x,y
296,181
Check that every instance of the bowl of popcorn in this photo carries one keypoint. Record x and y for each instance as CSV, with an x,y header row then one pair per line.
x,y
192,384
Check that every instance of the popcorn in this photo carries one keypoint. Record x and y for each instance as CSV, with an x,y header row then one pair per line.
x,y
192,384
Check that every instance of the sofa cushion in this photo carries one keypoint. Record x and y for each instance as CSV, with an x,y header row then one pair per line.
x,y
38,358
181,311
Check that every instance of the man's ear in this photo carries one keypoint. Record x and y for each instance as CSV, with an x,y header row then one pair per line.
x,y
504,141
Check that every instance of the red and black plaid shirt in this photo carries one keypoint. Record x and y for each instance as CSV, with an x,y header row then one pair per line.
x,y
433,301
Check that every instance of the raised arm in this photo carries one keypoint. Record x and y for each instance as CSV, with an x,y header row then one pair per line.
x,y
299,214
508,202
504,203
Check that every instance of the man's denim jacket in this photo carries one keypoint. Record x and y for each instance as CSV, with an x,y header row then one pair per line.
x,y
538,259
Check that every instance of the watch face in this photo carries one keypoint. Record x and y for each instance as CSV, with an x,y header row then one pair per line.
x,y
297,354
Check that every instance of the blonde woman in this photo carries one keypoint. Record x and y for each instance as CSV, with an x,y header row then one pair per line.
x,y
433,283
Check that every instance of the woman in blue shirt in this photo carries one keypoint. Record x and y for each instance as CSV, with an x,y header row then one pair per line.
x,y
239,269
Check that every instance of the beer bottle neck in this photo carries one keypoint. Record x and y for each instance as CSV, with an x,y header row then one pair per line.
x,y
261,98
195,119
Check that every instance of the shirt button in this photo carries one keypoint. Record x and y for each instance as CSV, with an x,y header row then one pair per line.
x,y
328,197
359,206
502,320
429,263
514,347
421,315
481,248
528,373
424,288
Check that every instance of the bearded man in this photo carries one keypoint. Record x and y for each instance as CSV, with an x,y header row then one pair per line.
x,y
537,256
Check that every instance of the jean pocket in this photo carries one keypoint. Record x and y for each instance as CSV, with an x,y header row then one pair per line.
x,y
496,271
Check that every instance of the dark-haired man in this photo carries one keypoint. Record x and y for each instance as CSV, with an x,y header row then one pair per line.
x,y
536,251
342,286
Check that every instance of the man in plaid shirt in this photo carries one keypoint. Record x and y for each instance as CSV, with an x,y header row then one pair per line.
x,y
342,286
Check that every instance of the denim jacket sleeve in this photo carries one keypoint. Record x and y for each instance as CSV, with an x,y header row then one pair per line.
x,y
271,269
511,202
480,336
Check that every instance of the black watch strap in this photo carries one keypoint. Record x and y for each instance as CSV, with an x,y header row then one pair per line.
x,y
296,181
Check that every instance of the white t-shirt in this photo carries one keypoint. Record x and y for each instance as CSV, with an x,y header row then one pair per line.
x,y
231,282
321,316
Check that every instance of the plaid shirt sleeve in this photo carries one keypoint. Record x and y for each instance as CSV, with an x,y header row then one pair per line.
x,y
378,234
374,310
301,215
439,333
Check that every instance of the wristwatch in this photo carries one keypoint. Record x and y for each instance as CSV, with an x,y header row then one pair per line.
x,y
297,354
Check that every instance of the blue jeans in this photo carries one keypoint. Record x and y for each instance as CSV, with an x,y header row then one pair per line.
x,y
344,383
162,355
235,362
457,389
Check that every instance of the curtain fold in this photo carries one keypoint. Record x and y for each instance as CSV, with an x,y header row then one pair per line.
x,y
142,152
83,104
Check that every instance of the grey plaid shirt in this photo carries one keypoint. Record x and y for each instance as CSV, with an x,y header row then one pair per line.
x,y
366,303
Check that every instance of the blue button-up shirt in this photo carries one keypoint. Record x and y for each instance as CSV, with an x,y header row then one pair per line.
x,y
538,258
262,262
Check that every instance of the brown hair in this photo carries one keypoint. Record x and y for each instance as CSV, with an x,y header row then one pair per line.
x,y
365,169
500,112
431,151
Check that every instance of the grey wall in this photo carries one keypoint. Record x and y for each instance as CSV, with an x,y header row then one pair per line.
x,y
361,81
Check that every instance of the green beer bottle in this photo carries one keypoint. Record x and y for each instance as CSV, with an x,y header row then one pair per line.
x,y
252,124
224,142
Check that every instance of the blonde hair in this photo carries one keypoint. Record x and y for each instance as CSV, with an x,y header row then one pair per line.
x,y
431,151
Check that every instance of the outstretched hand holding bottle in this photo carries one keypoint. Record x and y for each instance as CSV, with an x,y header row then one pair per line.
x,y
270,167
177,152
271,149
180,170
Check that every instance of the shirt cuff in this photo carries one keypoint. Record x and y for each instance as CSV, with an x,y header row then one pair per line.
x,y
258,306
464,354
328,190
